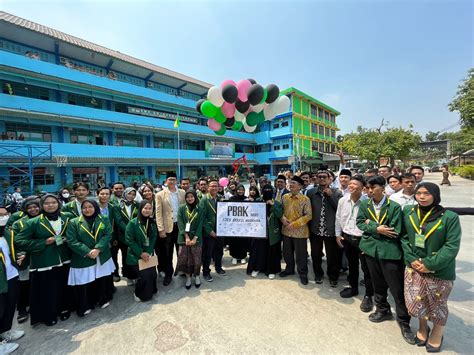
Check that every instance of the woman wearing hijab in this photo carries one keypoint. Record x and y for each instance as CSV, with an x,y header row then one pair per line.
x,y
265,254
125,212
31,208
238,247
140,236
92,266
430,245
190,239
43,238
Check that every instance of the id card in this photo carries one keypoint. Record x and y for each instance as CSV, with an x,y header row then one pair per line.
x,y
188,227
147,242
58,239
420,241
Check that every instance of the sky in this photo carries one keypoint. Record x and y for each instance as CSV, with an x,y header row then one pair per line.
x,y
397,60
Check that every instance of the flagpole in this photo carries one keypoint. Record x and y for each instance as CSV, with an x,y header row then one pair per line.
x,y
179,154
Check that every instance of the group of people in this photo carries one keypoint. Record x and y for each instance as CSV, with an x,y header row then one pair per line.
x,y
60,253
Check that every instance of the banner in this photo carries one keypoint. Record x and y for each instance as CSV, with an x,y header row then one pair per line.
x,y
241,219
219,150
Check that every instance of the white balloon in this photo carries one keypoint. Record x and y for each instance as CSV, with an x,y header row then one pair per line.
x,y
283,104
215,96
258,108
268,112
247,128
240,117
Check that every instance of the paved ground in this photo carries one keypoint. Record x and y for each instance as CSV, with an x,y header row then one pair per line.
x,y
238,314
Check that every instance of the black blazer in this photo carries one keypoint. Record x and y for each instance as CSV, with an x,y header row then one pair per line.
x,y
331,208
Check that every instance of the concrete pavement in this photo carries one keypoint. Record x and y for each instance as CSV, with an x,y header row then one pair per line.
x,y
239,314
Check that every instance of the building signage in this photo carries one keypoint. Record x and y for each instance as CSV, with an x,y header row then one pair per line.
x,y
160,114
242,219
220,150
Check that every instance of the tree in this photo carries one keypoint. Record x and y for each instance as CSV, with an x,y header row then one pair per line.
x,y
463,102
431,136
460,141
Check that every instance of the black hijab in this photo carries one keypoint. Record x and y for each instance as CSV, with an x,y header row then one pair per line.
x,y
141,217
236,196
194,204
52,216
90,220
438,210
31,200
267,195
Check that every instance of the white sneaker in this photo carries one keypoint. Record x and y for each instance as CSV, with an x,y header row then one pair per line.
x,y
254,273
234,261
271,276
12,335
243,261
7,348
87,312
105,305
136,298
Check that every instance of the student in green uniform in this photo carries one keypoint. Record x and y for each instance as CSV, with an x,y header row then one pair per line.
x,y
92,266
380,220
81,191
190,239
117,193
43,238
140,236
123,214
430,245
31,209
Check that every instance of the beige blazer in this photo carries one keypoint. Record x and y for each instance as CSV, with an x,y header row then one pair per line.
x,y
164,209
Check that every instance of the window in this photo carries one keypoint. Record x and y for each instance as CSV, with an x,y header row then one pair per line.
x,y
128,140
130,174
261,148
320,112
86,137
321,147
26,132
321,130
286,146
163,143
314,110
276,125
41,178
285,124
333,118
86,101
314,145
191,145
120,107
314,128
25,90
276,147
326,115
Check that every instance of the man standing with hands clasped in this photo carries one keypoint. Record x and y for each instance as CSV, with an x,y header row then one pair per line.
x,y
380,220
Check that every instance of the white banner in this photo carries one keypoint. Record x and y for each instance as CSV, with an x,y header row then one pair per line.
x,y
242,219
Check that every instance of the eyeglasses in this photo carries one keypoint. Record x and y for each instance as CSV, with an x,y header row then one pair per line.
x,y
422,194
322,176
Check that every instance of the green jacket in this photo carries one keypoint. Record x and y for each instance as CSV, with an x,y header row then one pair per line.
x,y
81,239
196,224
121,219
71,208
3,275
209,214
441,246
374,244
13,218
273,226
137,242
111,216
10,235
32,239
114,200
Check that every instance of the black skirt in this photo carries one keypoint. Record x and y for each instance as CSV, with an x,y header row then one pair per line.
x,y
264,257
238,247
145,287
95,293
45,295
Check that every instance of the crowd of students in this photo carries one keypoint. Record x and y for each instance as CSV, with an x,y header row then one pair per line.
x,y
59,254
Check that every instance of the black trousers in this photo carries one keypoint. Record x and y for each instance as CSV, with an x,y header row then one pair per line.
x,y
23,295
97,292
7,305
388,274
146,286
212,248
123,249
354,255
296,248
164,250
333,254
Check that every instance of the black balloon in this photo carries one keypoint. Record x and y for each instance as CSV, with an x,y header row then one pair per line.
x,y
272,93
229,93
252,81
229,122
241,106
198,105
255,94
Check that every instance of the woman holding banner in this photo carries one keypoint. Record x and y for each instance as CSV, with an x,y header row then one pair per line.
x,y
265,254
238,246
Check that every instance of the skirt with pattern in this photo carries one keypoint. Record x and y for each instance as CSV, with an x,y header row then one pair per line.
x,y
189,259
427,296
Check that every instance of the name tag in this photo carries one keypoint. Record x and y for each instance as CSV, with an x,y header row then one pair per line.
x,y
188,227
420,241
58,239
146,242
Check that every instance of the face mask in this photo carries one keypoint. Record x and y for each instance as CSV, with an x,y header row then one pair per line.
x,y
66,195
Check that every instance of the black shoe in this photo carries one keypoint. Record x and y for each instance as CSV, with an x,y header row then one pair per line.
x,y
349,292
343,270
50,323
175,273
304,280
407,334
65,315
188,286
378,316
432,349
285,273
367,304
221,272
166,281
420,342
208,277
318,280
333,284
22,316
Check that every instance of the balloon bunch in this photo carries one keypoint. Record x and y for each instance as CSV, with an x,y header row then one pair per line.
x,y
239,105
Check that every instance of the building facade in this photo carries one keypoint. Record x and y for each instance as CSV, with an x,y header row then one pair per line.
x,y
71,110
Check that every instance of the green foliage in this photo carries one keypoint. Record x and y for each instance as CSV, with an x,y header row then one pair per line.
x,y
463,102
431,136
460,141
465,171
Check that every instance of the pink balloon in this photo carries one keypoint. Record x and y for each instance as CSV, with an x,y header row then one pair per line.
x,y
243,86
227,82
228,109
223,182
213,124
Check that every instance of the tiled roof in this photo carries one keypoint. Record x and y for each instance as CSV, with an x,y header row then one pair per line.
x,y
32,26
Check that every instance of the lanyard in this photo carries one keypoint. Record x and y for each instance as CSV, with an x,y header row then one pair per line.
x,y
96,232
191,216
144,230
418,231
210,204
375,218
12,235
52,232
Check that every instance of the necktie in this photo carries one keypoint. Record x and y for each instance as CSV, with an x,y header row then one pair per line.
x,y
278,196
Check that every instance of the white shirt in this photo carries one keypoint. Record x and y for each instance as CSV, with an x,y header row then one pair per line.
x,y
388,190
346,215
11,270
79,209
174,204
403,200
378,206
